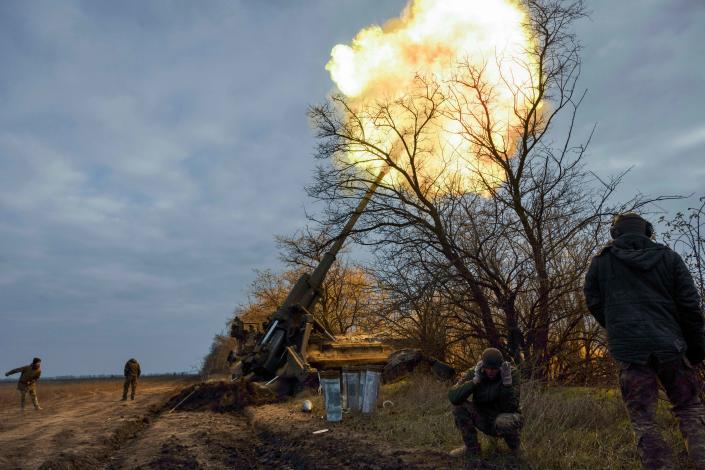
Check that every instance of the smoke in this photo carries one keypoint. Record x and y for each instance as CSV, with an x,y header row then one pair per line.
x,y
477,52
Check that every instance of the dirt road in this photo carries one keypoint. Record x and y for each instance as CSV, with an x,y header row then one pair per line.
x,y
82,421
85,426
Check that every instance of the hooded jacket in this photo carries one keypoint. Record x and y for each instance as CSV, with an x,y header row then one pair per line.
x,y
644,295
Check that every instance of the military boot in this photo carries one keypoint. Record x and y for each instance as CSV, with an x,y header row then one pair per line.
x,y
513,442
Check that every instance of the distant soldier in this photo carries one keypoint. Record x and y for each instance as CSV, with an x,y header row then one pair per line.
x,y
643,294
132,373
494,409
28,381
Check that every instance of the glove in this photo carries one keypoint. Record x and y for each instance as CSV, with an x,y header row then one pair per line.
x,y
478,370
506,373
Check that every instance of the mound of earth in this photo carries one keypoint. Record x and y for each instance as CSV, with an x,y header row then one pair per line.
x,y
221,396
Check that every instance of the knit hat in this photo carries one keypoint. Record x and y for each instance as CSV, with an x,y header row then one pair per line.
x,y
492,357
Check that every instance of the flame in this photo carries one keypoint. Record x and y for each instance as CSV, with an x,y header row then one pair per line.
x,y
434,38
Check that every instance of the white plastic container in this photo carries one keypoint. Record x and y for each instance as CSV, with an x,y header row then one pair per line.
x,y
370,391
330,383
351,390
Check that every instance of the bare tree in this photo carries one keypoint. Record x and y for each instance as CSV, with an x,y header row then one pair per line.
x,y
516,245
216,361
346,294
685,232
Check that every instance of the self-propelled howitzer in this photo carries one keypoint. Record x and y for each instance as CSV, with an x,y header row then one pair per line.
x,y
283,350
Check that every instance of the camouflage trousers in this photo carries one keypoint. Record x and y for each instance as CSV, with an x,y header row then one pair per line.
x,y
470,418
639,387
24,390
130,384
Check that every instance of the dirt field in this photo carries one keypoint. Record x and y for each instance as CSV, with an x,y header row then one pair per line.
x,y
83,421
84,425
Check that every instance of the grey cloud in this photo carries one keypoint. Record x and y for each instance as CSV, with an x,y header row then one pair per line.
x,y
148,154
150,151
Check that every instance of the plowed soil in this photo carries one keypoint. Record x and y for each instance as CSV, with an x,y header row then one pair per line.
x,y
85,426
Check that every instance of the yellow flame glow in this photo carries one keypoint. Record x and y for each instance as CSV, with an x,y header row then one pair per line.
x,y
432,38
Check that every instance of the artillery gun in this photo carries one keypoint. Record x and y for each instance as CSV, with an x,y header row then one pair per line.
x,y
294,342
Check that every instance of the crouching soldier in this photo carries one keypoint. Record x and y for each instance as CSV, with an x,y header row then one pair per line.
x,y
132,373
28,381
494,409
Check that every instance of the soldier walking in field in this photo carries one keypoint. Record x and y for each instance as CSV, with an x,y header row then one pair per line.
x,y
28,381
494,409
643,294
132,373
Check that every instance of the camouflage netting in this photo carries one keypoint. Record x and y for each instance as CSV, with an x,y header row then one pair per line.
x,y
221,396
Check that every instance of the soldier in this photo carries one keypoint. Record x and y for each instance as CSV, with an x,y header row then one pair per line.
x,y
132,373
643,294
494,409
28,381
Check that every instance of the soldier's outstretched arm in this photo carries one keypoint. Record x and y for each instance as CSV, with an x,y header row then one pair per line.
x,y
14,371
593,297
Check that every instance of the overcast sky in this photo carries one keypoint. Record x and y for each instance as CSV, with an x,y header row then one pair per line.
x,y
150,151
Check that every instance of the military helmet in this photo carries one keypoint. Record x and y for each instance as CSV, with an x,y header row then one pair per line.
x,y
492,357
630,222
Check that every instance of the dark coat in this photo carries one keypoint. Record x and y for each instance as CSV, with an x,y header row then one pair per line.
x,y
489,395
643,294
132,369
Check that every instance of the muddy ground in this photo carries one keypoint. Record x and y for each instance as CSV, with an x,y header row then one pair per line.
x,y
86,427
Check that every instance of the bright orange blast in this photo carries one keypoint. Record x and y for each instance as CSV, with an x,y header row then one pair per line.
x,y
448,41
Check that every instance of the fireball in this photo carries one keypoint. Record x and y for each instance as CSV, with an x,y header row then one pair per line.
x,y
468,62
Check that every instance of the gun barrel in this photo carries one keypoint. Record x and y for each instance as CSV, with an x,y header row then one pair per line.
x,y
324,266
291,325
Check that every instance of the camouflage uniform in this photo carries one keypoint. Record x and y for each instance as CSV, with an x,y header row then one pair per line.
x,y
494,410
639,386
132,373
469,418
27,383
642,293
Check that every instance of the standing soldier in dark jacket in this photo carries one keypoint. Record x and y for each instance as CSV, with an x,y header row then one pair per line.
x,y
28,381
494,409
132,373
643,294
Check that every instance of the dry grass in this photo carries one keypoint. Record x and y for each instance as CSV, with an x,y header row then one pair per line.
x,y
565,428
